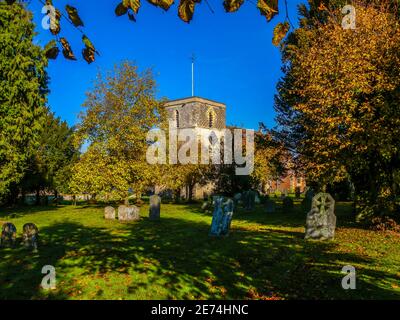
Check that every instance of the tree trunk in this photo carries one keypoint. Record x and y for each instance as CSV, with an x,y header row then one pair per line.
x,y
190,192
177,195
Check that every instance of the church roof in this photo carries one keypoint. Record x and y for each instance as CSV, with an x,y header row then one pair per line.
x,y
175,102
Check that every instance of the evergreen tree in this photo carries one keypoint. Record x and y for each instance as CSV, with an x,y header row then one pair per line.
x,y
23,89
49,168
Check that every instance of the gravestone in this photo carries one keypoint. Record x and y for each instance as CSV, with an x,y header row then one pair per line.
x,y
30,235
8,234
109,213
222,217
155,207
287,205
244,199
321,220
128,213
228,207
237,198
205,206
270,206
249,200
257,199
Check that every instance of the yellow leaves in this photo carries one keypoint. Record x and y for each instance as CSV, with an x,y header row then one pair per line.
x,y
280,31
232,5
268,8
186,9
67,51
164,4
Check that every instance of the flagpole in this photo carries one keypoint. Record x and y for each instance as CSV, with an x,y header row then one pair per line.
x,y
193,58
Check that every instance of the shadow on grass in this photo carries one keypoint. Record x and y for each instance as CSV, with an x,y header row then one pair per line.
x,y
20,211
180,256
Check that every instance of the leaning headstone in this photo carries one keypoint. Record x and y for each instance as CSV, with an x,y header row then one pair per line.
x,y
109,213
30,235
321,220
8,234
287,205
270,206
227,208
128,213
155,207
222,217
217,217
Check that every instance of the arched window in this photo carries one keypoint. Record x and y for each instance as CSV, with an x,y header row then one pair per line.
x,y
177,118
210,119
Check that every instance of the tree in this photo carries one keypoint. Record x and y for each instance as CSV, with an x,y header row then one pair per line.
x,y
271,159
337,105
49,168
23,83
120,111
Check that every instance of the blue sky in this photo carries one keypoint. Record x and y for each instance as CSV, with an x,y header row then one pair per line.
x,y
236,61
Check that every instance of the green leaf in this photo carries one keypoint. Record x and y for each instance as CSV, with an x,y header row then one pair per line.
x,y
268,8
74,16
232,5
89,51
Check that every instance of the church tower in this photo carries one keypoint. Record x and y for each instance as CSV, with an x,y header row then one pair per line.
x,y
197,113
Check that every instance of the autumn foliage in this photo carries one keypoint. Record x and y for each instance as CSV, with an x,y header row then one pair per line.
x,y
338,104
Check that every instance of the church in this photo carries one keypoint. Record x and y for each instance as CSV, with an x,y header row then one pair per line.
x,y
207,117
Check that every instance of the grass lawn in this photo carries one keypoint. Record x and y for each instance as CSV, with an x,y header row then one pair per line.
x,y
265,257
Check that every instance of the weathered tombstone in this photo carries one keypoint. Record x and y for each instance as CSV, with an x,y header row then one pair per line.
x,y
205,206
222,217
217,217
236,198
128,213
270,206
109,213
321,220
257,199
287,205
228,207
250,200
30,235
155,207
8,234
